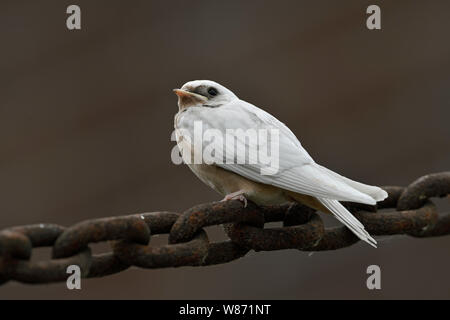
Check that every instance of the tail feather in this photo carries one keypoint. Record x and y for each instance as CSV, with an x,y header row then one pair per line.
x,y
376,193
345,217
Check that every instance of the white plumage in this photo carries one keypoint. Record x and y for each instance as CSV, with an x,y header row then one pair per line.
x,y
298,172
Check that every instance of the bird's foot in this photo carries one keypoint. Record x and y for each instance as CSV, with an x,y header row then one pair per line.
x,y
238,195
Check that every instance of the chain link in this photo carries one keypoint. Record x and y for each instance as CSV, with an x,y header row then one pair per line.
x,y
130,236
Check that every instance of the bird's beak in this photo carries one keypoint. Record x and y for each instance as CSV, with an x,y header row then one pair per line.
x,y
187,99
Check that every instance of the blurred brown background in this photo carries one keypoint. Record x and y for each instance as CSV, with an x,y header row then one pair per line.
x,y
86,118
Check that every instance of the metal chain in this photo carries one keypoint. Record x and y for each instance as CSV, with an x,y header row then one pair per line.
x,y
129,236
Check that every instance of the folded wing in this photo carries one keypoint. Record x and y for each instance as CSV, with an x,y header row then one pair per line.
x,y
297,171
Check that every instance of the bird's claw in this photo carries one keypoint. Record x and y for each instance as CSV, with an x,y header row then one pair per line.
x,y
239,197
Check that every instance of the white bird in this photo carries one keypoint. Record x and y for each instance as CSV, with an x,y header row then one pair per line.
x,y
298,178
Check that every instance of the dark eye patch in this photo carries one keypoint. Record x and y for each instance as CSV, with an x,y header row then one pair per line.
x,y
212,91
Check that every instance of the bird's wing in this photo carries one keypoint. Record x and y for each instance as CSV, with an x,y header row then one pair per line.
x,y
296,172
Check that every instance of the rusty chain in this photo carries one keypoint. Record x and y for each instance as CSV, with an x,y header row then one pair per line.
x,y
129,236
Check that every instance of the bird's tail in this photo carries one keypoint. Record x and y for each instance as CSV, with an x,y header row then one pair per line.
x,y
374,192
344,216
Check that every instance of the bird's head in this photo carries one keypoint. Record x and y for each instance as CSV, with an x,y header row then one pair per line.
x,y
203,93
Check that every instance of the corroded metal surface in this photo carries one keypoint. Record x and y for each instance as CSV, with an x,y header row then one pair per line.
x,y
406,211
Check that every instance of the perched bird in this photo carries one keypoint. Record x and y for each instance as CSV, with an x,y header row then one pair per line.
x,y
297,178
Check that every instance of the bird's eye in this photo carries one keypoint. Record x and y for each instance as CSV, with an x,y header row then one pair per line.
x,y
212,91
